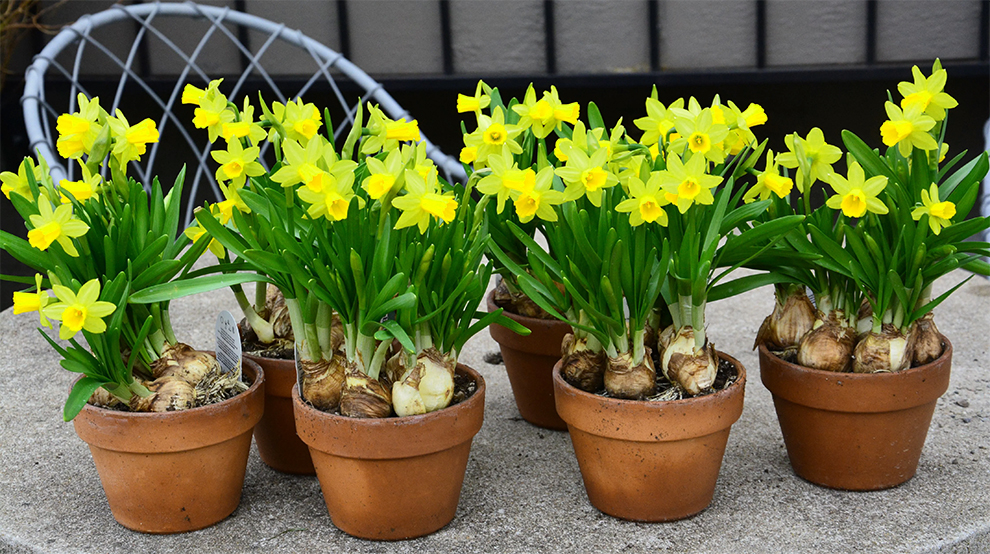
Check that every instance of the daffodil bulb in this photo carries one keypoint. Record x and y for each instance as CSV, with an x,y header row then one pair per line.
x,y
889,350
829,346
789,321
582,366
928,341
426,387
626,379
363,396
693,369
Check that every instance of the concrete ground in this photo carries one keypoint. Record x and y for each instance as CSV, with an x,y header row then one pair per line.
x,y
523,491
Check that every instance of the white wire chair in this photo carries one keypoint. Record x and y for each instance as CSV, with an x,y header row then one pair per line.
x,y
348,83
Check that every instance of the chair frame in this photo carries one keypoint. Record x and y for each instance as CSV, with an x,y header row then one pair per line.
x,y
39,115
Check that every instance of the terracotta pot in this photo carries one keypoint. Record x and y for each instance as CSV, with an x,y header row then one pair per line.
x,y
529,362
650,461
279,446
176,471
855,431
392,478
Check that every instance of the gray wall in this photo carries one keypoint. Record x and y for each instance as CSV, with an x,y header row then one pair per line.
x,y
506,37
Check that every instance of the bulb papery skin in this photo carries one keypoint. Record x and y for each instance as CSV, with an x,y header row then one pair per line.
x,y
323,382
102,398
427,387
278,313
624,379
169,394
790,321
582,367
364,397
887,351
394,368
693,369
829,346
928,341
184,362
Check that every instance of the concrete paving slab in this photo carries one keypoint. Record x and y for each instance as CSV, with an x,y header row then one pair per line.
x,y
523,491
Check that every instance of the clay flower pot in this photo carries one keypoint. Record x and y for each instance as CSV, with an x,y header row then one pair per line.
x,y
176,471
650,461
279,446
529,362
855,431
392,478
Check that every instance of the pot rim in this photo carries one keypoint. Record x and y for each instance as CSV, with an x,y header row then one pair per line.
x,y
670,416
140,432
843,392
464,418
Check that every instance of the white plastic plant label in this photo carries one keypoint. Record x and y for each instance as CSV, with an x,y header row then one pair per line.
x,y
228,343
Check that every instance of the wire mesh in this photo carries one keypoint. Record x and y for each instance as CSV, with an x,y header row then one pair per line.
x,y
78,52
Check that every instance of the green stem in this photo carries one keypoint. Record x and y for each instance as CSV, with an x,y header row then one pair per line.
x,y
262,327
378,359
324,318
260,294
137,388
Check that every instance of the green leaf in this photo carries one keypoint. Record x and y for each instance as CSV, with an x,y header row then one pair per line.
x,y
81,392
179,289
745,284
594,116
24,252
396,331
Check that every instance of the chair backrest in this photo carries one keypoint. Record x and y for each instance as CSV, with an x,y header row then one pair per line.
x,y
45,96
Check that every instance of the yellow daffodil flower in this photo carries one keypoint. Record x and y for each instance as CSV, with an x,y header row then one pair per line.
x,y
385,176
79,311
505,178
232,200
423,199
237,163
586,175
701,135
81,190
25,302
940,214
212,114
17,183
301,121
646,201
658,121
329,193
194,95
537,197
907,128
562,113
417,158
819,153
534,114
468,154
769,182
197,232
856,195
77,131
491,135
688,183
244,127
386,134
927,93
475,103
56,225
131,141
300,164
